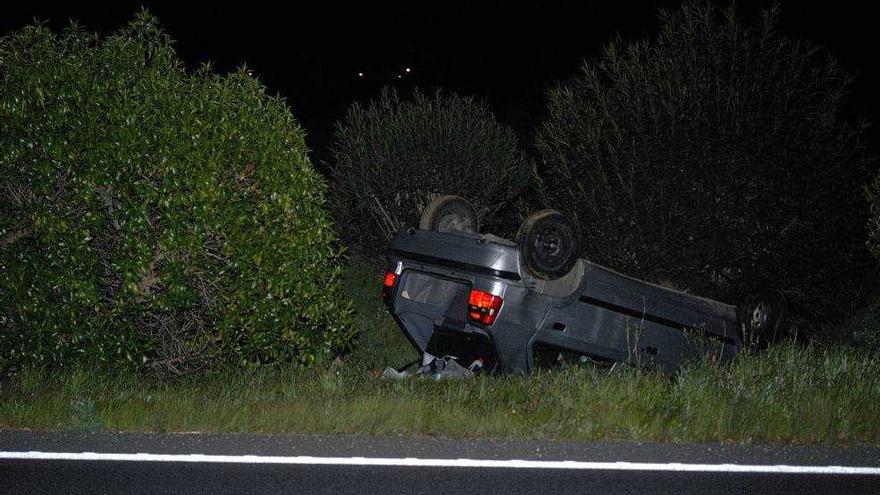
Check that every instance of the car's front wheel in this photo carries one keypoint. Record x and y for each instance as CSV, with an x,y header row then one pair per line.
x,y
759,319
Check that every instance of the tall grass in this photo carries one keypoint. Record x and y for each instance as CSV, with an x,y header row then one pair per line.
x,y
790,393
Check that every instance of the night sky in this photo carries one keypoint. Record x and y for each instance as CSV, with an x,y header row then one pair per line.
x,y
505,53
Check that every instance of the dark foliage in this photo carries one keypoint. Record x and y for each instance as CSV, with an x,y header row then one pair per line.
x,y
714,157
153,217
874,219
394,155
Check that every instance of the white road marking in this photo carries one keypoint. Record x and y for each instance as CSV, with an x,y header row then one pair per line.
x,y
451,463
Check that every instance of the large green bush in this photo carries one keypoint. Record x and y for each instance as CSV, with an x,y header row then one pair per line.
x,y
392,156
714,157
152,216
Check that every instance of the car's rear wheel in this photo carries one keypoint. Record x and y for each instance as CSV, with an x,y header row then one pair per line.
x,y
548,244
449,214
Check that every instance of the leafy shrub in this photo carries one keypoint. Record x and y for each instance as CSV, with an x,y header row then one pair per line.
x,y
714,157
155,217
874,218
394,155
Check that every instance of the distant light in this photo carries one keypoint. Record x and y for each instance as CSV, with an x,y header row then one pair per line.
x,y
408,70
360,74
399,76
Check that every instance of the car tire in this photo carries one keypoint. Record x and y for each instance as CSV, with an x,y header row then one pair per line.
x,y
759,319
548,244
450,214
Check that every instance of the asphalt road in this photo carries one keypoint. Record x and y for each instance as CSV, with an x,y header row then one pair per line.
x,y
335,465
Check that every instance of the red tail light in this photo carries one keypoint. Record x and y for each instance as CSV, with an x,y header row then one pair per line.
x,y
388,284
483,307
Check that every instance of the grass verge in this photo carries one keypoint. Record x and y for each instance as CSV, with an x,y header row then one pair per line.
x,y
791,394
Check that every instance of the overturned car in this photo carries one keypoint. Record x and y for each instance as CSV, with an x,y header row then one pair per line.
x,y
487,300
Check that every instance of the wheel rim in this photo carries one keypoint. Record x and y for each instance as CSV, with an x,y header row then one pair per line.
x,y
547,244
549,249
454,222
760,316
